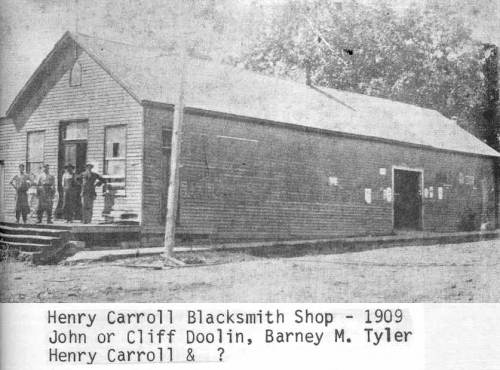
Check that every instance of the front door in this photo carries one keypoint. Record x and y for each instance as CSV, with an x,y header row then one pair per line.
x,y
75,153
72,150
407,200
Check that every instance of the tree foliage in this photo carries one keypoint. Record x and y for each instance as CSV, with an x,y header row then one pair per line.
x,y
423,56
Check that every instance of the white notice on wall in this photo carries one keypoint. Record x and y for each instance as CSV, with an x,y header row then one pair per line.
x,y
332,180
431,192
389,194
368,195
440,192
426,193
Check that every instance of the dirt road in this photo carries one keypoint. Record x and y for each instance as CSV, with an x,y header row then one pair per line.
x,y
440,273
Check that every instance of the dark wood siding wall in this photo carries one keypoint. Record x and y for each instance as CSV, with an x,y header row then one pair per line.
x,y
252,180
102,102
155,120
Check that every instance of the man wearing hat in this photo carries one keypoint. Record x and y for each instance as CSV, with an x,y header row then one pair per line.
x,y
46,191
89,181
70,189
21,183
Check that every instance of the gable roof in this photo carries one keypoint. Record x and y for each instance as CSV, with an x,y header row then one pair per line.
x,y
152,75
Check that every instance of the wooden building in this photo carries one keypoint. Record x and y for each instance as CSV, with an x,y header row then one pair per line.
x,y
261,157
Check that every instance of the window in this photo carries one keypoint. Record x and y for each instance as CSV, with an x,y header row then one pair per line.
x,y
115,158
75,76
166,138
35,149
76,130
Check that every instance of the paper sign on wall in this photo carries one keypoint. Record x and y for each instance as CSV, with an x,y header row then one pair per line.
x,y
382,171
332,180
431,192
388,194
440,192
368,195
460,178
426,193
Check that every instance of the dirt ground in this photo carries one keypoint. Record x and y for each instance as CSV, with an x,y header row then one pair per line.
x,y
439,273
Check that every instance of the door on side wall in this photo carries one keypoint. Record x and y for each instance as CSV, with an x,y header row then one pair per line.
x,y
2,197
72,150
407,200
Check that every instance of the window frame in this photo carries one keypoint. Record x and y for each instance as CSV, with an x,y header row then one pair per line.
x,y
121,192
28,163
76,121
72,83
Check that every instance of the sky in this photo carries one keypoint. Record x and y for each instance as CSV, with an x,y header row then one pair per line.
x,y
30,28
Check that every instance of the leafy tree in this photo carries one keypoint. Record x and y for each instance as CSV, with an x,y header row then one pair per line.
x,y
423,56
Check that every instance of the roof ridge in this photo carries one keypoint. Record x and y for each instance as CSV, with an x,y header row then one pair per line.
x,y
204,60
77,34
259,73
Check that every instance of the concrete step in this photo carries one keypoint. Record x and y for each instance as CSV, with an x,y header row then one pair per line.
x,y
34,243
28,238
34,226
30,247
7,229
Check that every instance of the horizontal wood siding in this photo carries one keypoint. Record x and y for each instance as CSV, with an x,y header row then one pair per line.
x,y
253,180
155,119
102,102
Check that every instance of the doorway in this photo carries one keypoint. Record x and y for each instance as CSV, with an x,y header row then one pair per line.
x,y
72,150
407,199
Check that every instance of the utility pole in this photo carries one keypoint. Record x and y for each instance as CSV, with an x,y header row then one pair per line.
x,y
173,182
77,16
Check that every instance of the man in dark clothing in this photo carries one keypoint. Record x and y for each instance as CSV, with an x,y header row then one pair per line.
x,y
71,194
46,191
21,183
89,182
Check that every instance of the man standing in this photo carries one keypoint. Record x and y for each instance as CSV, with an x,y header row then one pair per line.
x,y
70,188
46,192
89,180
21,183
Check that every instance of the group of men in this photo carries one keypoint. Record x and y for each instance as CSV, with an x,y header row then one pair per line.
x,y
78,191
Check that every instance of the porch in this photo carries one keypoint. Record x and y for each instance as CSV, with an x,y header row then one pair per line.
x,y
34,237
95,236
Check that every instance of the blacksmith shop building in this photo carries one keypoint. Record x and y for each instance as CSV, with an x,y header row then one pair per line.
x,y
261,157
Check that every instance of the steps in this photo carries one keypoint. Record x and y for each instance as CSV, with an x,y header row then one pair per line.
x,y
40,244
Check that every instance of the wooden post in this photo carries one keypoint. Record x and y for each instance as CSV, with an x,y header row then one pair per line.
x,y
173,183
